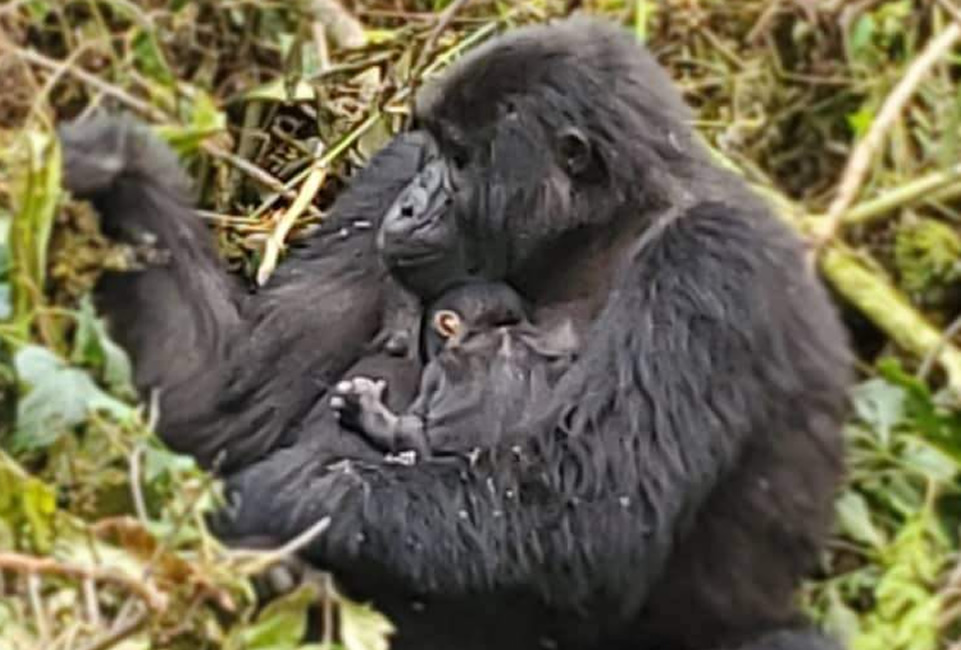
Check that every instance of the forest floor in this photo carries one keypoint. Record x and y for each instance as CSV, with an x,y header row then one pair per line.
x,y
846,115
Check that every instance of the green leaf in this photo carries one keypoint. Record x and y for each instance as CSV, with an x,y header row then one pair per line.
x,y
27,504
149,57
862,35
929,461
938,425
861,121
854,518
840,620
94,347
35,195
280,626
880,405
159,461
362,627
203,118
60,397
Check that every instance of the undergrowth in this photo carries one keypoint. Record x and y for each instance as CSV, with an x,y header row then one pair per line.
x,y
273,105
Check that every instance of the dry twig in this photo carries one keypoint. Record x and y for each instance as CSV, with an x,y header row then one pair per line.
x,y
31,565
860,160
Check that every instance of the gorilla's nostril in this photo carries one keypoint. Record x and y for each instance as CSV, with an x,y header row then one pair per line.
x,y
407,210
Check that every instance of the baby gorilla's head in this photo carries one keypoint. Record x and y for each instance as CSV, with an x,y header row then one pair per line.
x,y
468,310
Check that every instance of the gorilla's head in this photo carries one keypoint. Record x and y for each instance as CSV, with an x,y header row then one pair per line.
x,y
547,132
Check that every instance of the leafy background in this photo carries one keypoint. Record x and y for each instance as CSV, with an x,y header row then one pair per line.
x,y
272,104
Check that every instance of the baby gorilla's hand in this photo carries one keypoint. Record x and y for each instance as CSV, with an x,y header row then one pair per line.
x,y
359,405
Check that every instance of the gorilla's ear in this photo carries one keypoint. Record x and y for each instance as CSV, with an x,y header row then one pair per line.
x,y
574,151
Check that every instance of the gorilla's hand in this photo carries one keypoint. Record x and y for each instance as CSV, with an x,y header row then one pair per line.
x,y
359,404
277,480
117,164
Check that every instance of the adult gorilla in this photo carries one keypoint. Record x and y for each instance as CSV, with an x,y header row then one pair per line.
x,y
679,484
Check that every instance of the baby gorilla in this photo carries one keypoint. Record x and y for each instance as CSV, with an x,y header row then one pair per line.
x,y
485,365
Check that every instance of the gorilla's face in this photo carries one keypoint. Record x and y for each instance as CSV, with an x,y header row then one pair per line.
x,y
481,202
419,238
527,160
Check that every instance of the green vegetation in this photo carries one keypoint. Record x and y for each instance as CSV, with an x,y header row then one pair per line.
x,y
272,104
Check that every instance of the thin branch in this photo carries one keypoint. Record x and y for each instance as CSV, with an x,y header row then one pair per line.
x,y
860,160
37,606
154,114
136,491
953,329
261,560
889,309
275,241
955,12
117,93
112,638
31,565
430,45
347,31
917,189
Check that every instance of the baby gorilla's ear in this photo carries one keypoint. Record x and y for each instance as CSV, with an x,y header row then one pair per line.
x,y
448,324
574,152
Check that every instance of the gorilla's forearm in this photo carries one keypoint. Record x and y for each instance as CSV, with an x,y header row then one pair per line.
x,y
506,523
235,372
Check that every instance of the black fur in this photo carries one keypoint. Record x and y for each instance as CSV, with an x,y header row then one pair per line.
x,y
480,378
678,484
238,374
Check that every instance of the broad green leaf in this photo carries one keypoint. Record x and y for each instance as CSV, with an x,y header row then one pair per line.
x,y
280,626
149,57
938,425
879,405
94,347
159,461
363,628
929,461
59,397
854,518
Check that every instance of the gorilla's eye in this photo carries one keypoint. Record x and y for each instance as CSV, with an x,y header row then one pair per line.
x,y
574,150
447,323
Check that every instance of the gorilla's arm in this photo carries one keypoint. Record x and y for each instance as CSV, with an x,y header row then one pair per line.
x,y
177,318
726,352
234,371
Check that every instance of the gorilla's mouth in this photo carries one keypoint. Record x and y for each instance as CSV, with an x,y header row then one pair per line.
x,y
418,258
